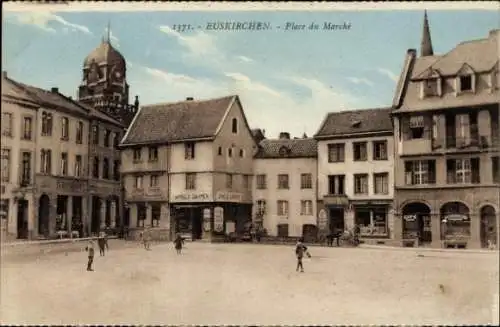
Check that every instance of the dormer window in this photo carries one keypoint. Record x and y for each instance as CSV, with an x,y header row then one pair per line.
x,y
283,151
431,87
465,83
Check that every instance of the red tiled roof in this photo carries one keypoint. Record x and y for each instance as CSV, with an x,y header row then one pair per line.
x,y
355,122
185,120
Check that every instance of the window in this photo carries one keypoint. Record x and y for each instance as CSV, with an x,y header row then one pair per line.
x,y
229,181
361,184
6,124
78,165
64,164
372,221
359,151
431,87
95,167
463,134
154,181
283,181
380,150
261,182
95,135
336,152
495,166
381,183
420,172
190,181
26,169
336,184
261,207
138,182
46,161
230,152
282,208
189,150
27,128
305,181
234,126
246,182
107,138
417,127
116,170
466,83
137,154
105,168
306,208
153,153
219,151
116,140
5,165
242,153
79,133
141,214
64,129
462,171
46,124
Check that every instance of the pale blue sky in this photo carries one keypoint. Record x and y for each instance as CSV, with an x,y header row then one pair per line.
x,y
287,81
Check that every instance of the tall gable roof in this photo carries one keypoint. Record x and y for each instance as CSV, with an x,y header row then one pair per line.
x,y
355,122
179,121
13,92
287,148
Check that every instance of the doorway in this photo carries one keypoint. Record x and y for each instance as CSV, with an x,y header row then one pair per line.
x,y
43,215
95,223
417,222
22,219
488,226
337,223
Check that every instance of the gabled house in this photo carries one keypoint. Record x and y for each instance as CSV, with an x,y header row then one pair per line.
x,y
187,167
447,144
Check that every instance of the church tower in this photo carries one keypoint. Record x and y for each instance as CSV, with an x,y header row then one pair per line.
x,y
104,84
426,43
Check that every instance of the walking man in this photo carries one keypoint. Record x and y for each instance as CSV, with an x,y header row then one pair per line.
x,y
90,250
102,241
179,241
300,250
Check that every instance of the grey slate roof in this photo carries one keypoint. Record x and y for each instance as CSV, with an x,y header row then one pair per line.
x,y
94,113
178,121
13,92
355,122
287,148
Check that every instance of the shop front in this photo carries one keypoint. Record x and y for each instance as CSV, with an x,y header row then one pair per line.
x,y
455,225
336,207
416,224
372,217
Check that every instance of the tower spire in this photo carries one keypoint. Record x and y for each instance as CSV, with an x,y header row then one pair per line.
x,y
108,32
426,43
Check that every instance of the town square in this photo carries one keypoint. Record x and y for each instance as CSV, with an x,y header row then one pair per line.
x,y
201,166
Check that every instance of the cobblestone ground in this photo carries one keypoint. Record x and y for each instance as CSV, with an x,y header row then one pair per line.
x,y
252,284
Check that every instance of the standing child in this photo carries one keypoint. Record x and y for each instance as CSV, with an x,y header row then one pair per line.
x,y
300,250
179,241
90,250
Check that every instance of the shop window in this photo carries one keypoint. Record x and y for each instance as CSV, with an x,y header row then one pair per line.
x,y
155,215
455,223
282,230
371,221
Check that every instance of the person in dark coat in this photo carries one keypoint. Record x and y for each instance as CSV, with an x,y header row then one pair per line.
x,y
102,241
90,250
179,241
300,250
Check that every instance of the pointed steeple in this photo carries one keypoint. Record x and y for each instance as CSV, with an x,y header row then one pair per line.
x,y
108,32
426,43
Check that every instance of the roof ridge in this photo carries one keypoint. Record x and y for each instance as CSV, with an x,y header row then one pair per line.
x,y
359,110
154,105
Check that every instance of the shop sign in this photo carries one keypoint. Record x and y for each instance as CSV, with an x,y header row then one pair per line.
x,y
206,213
230,227
322,219
206,219
228,197
336,200
456,217
219,219
192,197
410,217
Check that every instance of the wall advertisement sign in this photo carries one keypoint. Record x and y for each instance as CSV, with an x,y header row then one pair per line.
x,y
219,219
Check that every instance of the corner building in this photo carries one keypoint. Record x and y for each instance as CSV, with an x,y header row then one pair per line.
x,y
447,145
205,172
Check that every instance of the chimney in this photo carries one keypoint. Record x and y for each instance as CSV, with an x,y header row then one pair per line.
x,y
189,99
54,90
284,136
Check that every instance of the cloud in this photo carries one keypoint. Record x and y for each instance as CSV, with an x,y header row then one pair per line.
x,y
247,83
198,44
388,73
358,80
244,58
43,19
169,77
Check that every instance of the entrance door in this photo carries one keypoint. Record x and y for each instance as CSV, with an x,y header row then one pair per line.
x,y
196,223
22,219
488,227
337,219
43,215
